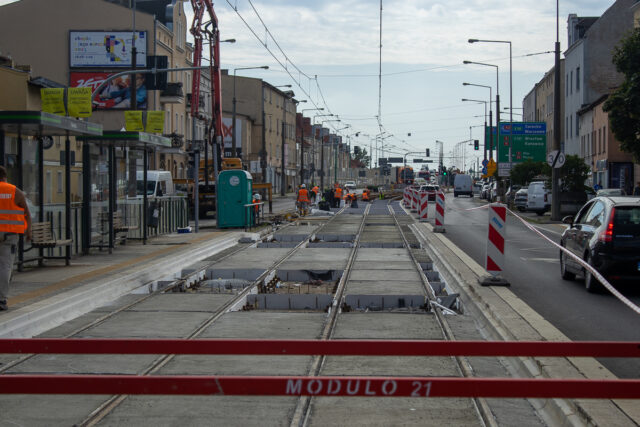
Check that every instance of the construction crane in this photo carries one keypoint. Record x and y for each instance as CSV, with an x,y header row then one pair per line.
x,y
210,30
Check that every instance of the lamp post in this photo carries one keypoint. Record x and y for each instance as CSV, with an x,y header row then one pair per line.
x,y
490,119
510,88
233,119
302,142
485,123
322,150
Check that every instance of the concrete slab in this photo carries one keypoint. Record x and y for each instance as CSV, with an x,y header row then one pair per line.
x,y
267,324
248,265
294,233
317,258
373,287
147,324
366,254
69,364
387,275
390,411
375,265
184,302
46,410
363,302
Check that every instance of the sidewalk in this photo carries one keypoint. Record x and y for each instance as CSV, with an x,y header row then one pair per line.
x,y
42,297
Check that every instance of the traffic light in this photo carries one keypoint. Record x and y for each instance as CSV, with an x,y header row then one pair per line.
x,y
476,144
428,153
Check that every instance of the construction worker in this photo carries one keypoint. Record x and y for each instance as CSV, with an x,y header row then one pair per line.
x,y
316,194
256,209
365,195
303,199
15,219
337,195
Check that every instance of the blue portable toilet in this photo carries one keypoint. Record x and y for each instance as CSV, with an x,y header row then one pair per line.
x,y
233,193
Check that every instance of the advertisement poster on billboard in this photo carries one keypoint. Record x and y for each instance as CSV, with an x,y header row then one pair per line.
x,y
227,136
117,94
106,48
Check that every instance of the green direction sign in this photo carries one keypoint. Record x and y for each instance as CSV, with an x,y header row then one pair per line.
x,y
529,142
487,138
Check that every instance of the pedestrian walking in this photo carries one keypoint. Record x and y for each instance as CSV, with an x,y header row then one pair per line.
x,y
15,219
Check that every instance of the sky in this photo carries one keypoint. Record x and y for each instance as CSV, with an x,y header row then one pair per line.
x,y
328,50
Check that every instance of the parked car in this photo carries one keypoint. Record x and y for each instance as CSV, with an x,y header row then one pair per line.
x,y
484,194
611,192
520,200
477,188
538,198
606,234
430,190
159,183
510,195
492,195
350,185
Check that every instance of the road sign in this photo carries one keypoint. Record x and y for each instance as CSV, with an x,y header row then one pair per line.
x,y
417,160
491,167
383,161
504,168
557,157
529,141
484,170
396,160
485,162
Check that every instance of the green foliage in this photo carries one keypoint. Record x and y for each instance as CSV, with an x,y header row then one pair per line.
x,y
623,104
527,171
362,157
573,174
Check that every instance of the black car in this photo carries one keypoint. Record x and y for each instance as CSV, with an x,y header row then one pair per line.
x,y
606,234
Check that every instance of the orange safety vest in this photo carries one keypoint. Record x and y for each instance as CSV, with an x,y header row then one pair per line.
x,y
11,215
303,195
256,207
315,190
338,193
365,196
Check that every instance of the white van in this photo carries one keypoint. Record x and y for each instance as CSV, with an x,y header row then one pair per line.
x,y
462,185
159,183
538,198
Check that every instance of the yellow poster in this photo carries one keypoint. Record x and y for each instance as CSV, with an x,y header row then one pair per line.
x,y
79,101
133,121
155,121
53,101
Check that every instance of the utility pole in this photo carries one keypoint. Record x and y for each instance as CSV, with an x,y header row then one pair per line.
x,y
555,172
132,79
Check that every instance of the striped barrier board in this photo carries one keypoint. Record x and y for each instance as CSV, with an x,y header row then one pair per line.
x,y
414,200
439,225
424,204
405,198
495,242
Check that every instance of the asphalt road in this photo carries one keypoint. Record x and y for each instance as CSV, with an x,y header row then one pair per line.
x,y
533,269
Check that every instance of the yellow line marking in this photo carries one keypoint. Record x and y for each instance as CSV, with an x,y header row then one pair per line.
x,y
102,271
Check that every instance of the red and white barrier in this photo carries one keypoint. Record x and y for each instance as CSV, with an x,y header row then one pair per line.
x,y
495,242
439,227
424,204
407,197
414,200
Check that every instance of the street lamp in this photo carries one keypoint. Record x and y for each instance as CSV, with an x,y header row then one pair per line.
x,y
233,119
510,87
490,119
322,149
302,142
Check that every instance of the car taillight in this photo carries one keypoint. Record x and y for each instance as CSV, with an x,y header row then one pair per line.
x,y
606,235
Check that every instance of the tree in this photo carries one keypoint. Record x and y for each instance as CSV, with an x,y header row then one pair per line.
x,y
525,172
623,104
361,156
573,174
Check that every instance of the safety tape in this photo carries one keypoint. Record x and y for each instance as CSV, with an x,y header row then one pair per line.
x,y
580,261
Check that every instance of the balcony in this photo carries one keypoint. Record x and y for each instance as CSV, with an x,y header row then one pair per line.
x,y
172,94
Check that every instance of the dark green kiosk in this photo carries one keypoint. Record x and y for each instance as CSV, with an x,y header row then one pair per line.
x,y
233,194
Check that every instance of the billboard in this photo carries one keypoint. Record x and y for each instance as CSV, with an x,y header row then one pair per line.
x,y
227,136
106,48
117,94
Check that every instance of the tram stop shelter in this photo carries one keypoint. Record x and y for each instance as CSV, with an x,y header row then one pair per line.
x,y
113,201
36,127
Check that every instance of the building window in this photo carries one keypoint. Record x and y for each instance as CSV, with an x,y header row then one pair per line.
x,y
570,126
571,82
578,79
566,127
59,181
604,139
566,89
577,125
599,141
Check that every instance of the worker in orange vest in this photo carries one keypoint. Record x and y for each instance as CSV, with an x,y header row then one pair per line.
x,y
365,195
15,219
303,199
315,191
256,209
337,196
